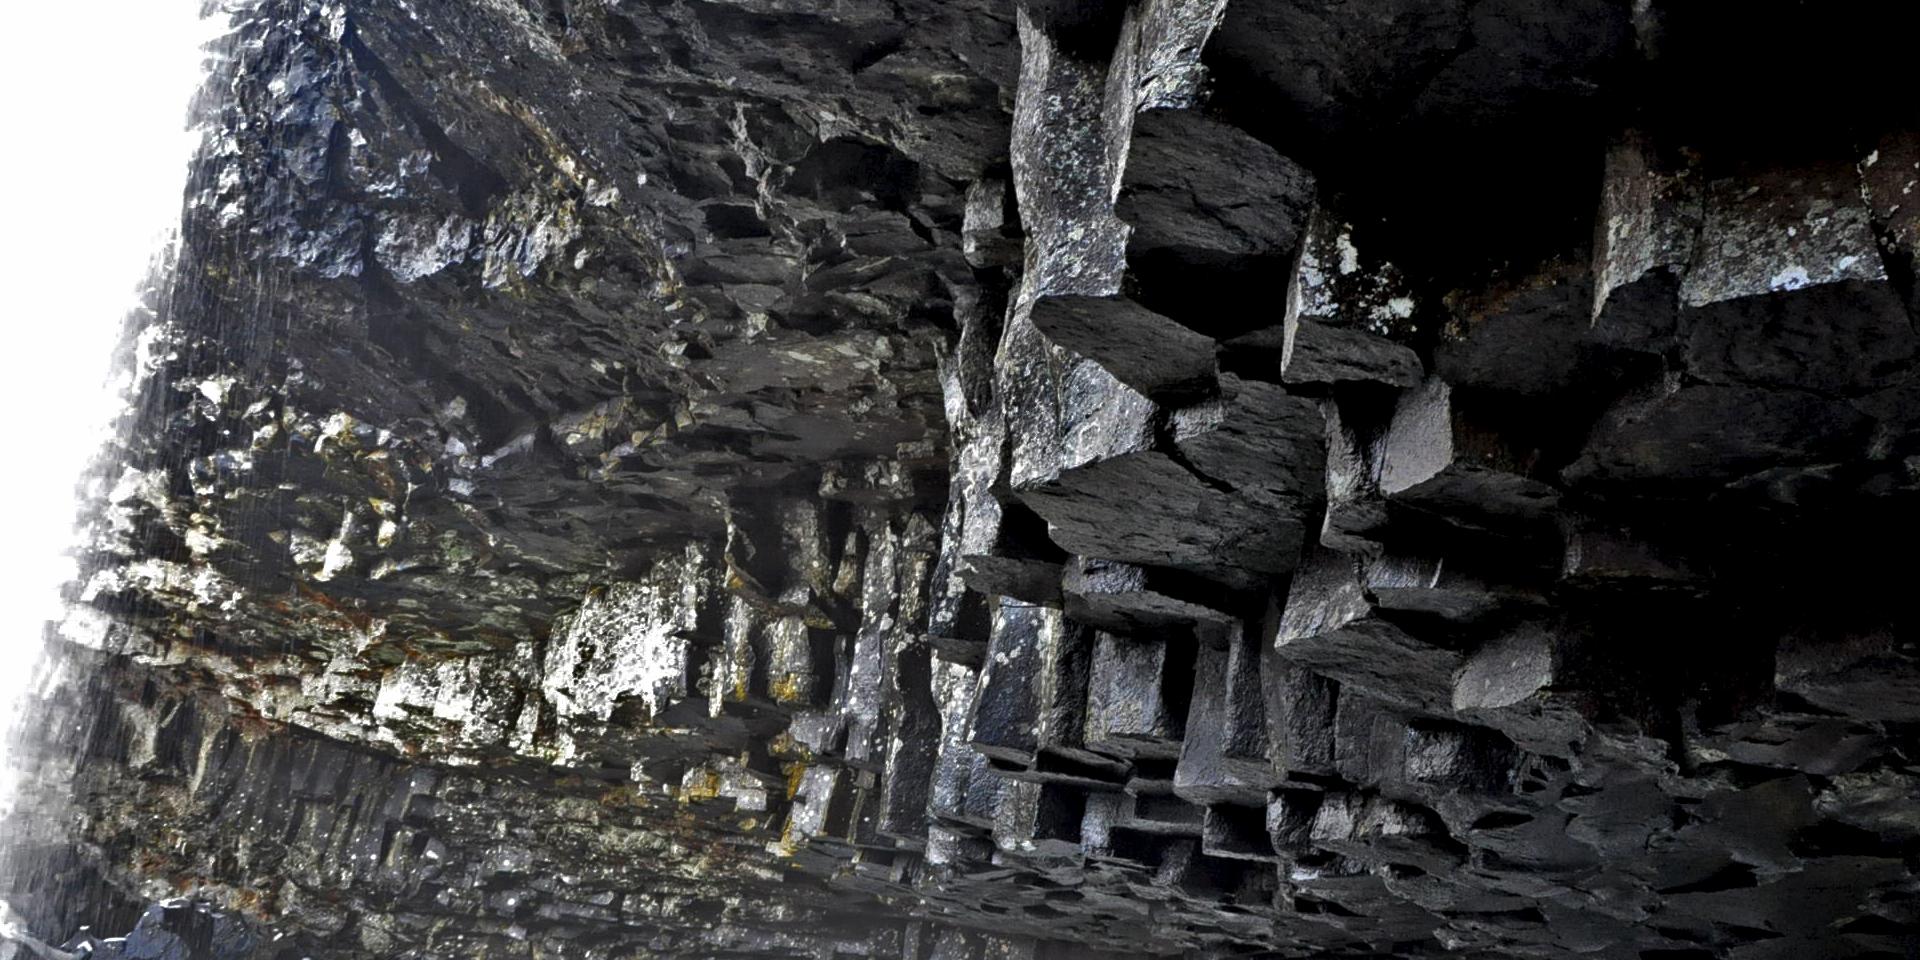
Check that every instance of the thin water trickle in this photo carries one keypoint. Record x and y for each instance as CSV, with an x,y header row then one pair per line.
x,y
96,166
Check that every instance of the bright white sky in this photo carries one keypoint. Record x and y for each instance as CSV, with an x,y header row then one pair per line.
x,y
93,165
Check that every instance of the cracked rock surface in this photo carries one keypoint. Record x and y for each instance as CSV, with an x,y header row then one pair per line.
x,y
1013,480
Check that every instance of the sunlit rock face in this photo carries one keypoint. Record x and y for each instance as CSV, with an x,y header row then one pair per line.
x,y
976,479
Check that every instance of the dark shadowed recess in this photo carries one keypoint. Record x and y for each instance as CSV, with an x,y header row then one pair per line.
x,y
1465,136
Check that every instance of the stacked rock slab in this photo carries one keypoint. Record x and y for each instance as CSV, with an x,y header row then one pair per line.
x,y
1038,480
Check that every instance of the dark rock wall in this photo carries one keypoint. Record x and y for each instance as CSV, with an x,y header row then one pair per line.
x,y
955,479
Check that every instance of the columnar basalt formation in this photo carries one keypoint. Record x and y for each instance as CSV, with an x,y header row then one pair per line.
x,y
976,479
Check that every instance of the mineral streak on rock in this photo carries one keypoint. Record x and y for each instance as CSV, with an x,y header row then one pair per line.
x,y
1040,480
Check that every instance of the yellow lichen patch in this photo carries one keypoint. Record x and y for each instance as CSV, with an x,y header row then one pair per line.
x,y
564,160
702,784
625,795
783,745
795,773
785,689
786,845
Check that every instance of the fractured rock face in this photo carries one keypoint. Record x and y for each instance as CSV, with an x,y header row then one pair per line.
x,y
1435,457
1050,481
1146,351
1348,315
1203,232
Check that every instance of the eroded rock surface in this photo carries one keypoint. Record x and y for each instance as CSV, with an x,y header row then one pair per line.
x,y
975,479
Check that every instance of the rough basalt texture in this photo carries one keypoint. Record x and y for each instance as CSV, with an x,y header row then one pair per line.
x,y
976,479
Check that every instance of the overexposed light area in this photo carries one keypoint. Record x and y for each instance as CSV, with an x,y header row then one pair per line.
x,y
91,175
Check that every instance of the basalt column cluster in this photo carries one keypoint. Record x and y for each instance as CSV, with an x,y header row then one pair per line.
x,y
933,480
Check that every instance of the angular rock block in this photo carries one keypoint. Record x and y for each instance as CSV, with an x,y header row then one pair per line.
x,y
822,807
1376,830
1299,711
1214,213
1431,460
1788,288
1158,814
1006,713
1237,833
1144,350
1040,820
1083,461
1188,871
957,620
1224,756
988,237
1061,409
955,849
1121,598
1153,776
1367,731
1349,315
1439,759
1517,683
963,790
1026,580
859,689
1847,337
1675,440
956,615
1649,221
1268,446
1890,175
1230,506
1031,712
1205,193
1872,675
1146,508
1356,511
1138,695
1337,625
1456,593
733,665
911,750
1437,458
1316,352
1598,553
1096,824
858,700
1245,740
1520,337
1771,277
1290,816
797,674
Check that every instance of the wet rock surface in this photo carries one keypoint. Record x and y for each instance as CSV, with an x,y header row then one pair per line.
x,y
974,480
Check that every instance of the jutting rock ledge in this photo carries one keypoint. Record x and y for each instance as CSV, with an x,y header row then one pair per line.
x,y
978,480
